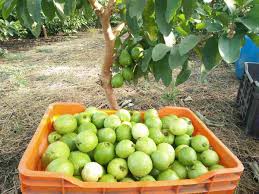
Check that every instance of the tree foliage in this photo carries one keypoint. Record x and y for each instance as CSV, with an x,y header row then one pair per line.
x,y
164,31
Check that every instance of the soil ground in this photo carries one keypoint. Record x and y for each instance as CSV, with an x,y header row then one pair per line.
x,y
36,75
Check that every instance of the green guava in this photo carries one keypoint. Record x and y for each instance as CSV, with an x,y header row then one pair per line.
x,y
65,124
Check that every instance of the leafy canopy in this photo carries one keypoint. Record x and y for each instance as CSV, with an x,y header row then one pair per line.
x,y
167,31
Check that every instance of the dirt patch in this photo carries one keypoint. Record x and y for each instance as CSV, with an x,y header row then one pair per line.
x,y
69,71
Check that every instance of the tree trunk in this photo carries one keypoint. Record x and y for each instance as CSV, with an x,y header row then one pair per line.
x,y
106,73
44,30
104,14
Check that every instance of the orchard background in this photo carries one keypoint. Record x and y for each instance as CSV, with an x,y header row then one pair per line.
x,y
181,42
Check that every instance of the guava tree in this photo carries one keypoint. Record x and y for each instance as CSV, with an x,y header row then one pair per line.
x,y
154,36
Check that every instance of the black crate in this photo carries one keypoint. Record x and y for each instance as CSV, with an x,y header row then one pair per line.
x,y
248,99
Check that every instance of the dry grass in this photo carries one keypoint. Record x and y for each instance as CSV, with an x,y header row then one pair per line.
x,y
68,71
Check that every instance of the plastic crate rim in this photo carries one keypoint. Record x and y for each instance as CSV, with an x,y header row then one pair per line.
x,y
248,74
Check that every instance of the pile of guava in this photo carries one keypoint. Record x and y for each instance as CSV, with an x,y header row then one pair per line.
x,y
127,146
125,65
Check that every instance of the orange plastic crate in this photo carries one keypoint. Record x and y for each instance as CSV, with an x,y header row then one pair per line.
x,y
34,180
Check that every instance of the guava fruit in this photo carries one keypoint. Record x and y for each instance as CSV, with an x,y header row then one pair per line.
x,y
69,139
106,135
87,126
136,117
65,124
157,136
178,148
165,147
55,150
127,74
112,121
92,171
182,140
147,178
178,126
118,168
137,53
160,159
53,136
167,175
190,127
153,122
146,145
180,170
125,58
127,123
197,169
123,132
104,153
86,141
117,80
123,115
84,117
78,159
139,130
216,167
107,178
200,143
127,179
154,172
167,120
140,164
91,110
61,165
209,157
187,156
150,113
169,138
98,119
125,148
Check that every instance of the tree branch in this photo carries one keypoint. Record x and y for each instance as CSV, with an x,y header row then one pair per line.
x,y
97,7
118,29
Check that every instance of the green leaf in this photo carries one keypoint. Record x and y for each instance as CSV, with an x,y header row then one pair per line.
x,y
34,9
181,31
8,7
210,54
188,43
254,38
229,49
146,59
162,71
189,7
231,4
171,9
22,14
175,59
183,75
149,23
59,9
159,51
69,7
36,29
213,26
200,26
132,23
251,19
48,9
136,8
163,26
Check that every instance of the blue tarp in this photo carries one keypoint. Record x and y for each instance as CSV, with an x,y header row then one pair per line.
x,y
249,53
